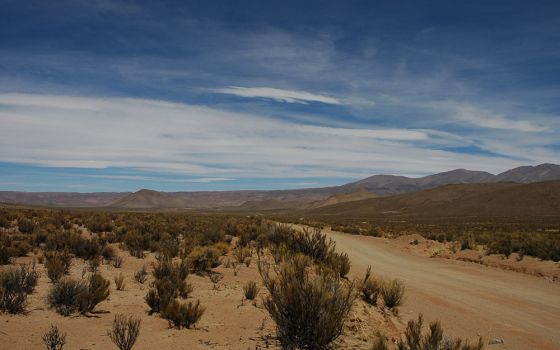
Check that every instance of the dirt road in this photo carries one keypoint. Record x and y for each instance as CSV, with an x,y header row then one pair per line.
x,y
468,299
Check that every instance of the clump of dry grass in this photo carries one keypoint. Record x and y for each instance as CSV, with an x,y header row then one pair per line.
x,y
120,282
251,290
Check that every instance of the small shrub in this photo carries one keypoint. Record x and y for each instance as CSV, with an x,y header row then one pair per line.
x,y
125,331
54,339
58,265
69,296
98,290
340,263
251,289
202,259
370,288
15,285
65,296
434,340
215,278
117,262
183,315
108,253
241,254
160,295
141,275
247,262
94,263
222,247
309,310
392,293
120,282
380,343
7,253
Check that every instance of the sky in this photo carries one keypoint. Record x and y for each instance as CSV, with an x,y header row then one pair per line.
x,y
224,95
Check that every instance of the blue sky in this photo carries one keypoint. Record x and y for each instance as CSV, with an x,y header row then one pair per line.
x,y
191,95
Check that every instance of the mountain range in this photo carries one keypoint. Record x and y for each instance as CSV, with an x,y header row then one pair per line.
x,y
309,198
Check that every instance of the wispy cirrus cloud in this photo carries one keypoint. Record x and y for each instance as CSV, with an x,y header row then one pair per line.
x,y
210,144
280,95
484,118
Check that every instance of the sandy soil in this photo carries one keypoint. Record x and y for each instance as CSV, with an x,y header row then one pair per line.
x,y
228,323
468,298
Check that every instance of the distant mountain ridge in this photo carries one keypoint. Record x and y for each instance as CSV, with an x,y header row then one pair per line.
x,y
377,185
500,199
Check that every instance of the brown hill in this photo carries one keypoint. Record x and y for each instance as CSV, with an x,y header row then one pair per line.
x,y
381,185
358,195
485,200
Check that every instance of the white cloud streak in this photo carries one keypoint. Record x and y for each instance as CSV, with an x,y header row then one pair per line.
x,y
212,144
280,95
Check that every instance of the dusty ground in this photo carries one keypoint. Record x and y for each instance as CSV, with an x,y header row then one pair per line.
x,y
228,323
469,299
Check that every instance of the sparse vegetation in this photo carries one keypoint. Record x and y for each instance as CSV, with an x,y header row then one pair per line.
x,y
370,288
120,282
434,340
309,308
250,290
392,292
125,331
15,285
54,339
57,264
141,275
183,315
68,296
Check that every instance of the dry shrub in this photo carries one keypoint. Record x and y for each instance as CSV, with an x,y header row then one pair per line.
x,y
141,275
309,309
64,296
251,289
69,296
94,263
57,265
15,285
54,339
380,343
370,288
183,315
125,331
240,254
202,259
222,247
117,262
392,293
434,340
120,282
339,262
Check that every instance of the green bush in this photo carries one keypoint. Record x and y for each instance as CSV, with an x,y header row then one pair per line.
x,y
183,315
309,309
